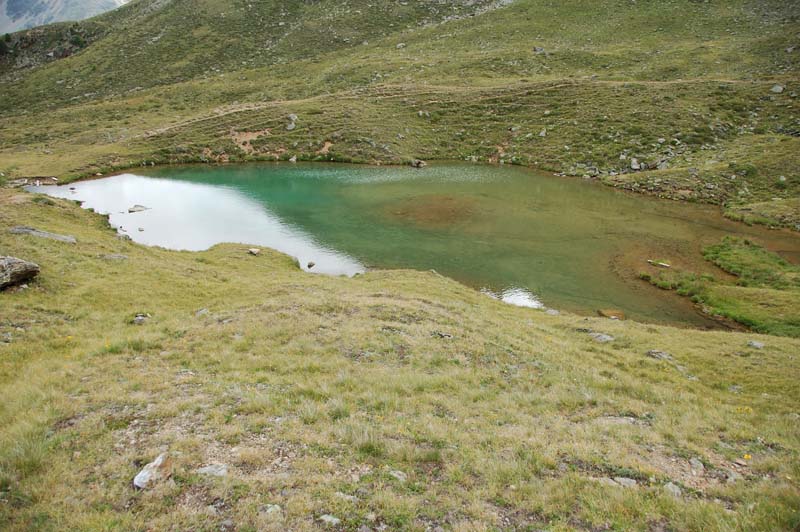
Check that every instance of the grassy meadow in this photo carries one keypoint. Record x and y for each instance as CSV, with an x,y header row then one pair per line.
x,y
396,400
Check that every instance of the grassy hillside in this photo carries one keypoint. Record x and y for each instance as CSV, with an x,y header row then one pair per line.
x,y
394,398
687,92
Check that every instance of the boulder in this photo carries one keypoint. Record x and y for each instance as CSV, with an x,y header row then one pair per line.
x,y
672,489
418,163
24,230
14,271
254,251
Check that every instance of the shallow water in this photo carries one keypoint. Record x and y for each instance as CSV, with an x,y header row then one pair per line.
x,y
529,238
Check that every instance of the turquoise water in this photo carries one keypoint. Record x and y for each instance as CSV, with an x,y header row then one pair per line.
x,y
529,238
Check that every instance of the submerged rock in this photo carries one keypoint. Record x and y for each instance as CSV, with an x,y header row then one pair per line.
x,y
158,469
24,230
611,314
14,271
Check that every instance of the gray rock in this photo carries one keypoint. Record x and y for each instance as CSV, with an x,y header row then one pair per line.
x,y
418,163
291,126
732,476
115,256
201,312
140,319
659,355
625,482
214,470
24,230
635,165
552,312
330,520
346,497
777,89
399,475
538,50
755,345
601,337
14,271
227,524
672,489
697,466
158,469
137,208
254,251
607,482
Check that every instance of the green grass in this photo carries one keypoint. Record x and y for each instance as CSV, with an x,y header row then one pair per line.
x,y
765,295
309,387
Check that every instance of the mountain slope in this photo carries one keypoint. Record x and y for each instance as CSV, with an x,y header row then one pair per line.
x,y
687,92
17,15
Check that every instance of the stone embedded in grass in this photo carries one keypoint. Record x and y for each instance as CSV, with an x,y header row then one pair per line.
x,y
777,89
141,319
755,345
625,482
14,271
398,475
601,337
254,251
697,466
115,256
330,520
158,469
214,470
659,355
25,230
201,312
672,489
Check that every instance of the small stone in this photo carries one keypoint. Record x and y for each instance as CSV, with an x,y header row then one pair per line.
x,y
330,520
137,208
158,469
552,312
346,497
672,489
140,319
732,476
399,475
115,256
659,355
311,264
635,165
543,133
608,482
214,470
538,50
271,510
755,345
291,126
625,482
601,337
227,524
254,251
400,46
418,163
697,466
293,159
777,89
201,312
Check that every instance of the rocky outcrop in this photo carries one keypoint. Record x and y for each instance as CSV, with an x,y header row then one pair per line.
x,y
24,230
14,271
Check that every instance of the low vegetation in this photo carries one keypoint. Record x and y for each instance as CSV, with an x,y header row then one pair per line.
x,y
764,294
393,398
